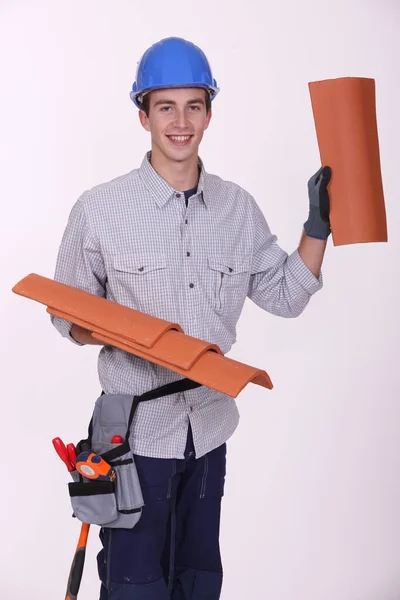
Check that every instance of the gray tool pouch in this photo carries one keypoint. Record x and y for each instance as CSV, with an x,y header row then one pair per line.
x,y
115,503
94,501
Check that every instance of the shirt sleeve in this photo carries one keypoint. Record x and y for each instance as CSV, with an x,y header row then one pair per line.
x,y
79,262
279,283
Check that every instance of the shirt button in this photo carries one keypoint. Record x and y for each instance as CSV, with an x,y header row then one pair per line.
x,y
141,269
186,221
191,285
178,195
187,253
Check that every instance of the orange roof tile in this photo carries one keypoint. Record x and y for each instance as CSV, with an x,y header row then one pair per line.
x,y
143,335
102,313
345,119
173,347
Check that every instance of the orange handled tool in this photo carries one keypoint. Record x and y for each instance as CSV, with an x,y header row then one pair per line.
x,y
66,453
75,574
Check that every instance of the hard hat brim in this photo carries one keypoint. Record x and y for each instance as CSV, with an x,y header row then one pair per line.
x,y
135,96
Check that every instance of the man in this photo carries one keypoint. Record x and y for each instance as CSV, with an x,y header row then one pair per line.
x,y
173,241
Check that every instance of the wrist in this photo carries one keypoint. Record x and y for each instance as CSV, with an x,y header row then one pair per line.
x,y
315,226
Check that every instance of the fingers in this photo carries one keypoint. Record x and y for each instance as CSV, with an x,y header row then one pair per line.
x,y
323,176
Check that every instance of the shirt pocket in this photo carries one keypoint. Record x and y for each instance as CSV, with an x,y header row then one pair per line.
x,y
230,282
142,281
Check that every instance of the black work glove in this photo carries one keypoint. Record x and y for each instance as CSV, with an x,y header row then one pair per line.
x,y
317,224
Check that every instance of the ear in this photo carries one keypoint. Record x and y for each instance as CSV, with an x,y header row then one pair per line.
x,y
144,120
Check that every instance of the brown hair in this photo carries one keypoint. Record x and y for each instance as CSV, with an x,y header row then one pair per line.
x,y
145,104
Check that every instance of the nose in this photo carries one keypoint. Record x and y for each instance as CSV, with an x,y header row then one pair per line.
x,y
181,119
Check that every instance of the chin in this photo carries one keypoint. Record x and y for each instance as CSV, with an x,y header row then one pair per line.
x,y
181,155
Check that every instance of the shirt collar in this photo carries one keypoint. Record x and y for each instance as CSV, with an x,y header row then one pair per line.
x,y
161,190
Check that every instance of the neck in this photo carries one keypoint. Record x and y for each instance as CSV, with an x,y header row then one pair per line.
x,y
181,176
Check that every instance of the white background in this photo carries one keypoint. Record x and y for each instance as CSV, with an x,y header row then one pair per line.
x,y
312,505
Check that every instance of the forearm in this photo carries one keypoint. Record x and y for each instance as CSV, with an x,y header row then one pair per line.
x,y
312,251
83,336
80,265
285,285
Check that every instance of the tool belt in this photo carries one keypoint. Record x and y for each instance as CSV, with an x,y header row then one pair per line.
x,y
115,502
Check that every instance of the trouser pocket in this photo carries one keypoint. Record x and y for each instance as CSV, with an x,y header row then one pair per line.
x,y
94,502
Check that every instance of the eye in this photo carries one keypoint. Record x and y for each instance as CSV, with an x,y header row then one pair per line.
x,y
165,108
194,107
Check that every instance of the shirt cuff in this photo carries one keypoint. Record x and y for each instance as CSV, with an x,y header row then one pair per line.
x,y
303,275
64,327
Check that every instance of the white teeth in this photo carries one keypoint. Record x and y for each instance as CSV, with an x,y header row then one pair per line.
x,y
179,138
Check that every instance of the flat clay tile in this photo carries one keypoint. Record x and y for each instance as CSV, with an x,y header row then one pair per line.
x,y
345,119
143,335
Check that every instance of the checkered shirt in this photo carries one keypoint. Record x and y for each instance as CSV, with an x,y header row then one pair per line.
x,y
134,241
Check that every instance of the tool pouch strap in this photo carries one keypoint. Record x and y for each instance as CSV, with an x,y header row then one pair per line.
x,y
181,385
117,503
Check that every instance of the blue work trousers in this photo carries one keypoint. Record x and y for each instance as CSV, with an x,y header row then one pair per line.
x,y
173,552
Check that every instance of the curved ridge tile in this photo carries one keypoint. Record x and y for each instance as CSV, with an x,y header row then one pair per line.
x,y
181,350
228,374
212,370
127,322
175,348
76,321
150,338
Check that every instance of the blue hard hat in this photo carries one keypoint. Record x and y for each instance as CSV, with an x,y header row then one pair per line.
x,y
172,63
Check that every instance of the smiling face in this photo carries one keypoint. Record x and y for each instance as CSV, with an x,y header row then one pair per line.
x,y
177,120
